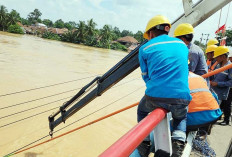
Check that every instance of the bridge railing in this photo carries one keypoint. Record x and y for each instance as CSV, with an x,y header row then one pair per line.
x,y
130,141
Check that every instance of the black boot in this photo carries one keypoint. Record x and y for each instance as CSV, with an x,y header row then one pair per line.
x,y
177,148
161,153
224,123
144,148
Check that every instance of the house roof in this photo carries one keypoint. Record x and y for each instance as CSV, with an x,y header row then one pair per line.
x,y
128,39
58,30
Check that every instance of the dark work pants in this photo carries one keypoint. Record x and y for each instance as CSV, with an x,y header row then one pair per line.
x,y
226,106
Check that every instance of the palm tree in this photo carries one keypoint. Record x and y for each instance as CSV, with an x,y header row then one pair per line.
x,y
90,28
106,36
81,29
13,17
34,16
90,35
70,36
3,17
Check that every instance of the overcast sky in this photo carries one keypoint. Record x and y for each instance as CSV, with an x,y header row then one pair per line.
x,y
130,15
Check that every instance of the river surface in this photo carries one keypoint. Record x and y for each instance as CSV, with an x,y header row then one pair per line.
x,y
54,71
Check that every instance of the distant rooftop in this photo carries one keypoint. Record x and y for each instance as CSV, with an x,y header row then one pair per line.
x,y
128,39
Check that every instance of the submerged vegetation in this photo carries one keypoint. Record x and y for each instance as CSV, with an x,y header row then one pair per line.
x,y
81,33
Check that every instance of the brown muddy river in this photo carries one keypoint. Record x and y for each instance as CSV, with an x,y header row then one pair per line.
x,y
56,71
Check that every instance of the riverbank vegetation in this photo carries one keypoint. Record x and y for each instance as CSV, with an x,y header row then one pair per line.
x,y
81,32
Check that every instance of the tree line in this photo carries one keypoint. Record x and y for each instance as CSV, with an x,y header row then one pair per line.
x,y
82,32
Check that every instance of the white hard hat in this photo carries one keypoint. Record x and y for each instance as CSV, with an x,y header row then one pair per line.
x,y
230,54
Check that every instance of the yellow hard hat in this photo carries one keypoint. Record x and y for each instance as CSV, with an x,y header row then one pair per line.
x,y
220,50
210,48
155,21
183,29
212,42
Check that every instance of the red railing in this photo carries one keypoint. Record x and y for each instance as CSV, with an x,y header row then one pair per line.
x,y
129,142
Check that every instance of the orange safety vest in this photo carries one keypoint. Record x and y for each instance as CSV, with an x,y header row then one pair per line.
x,y
211,67
202,98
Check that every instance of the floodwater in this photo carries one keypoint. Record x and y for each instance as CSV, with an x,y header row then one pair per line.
x,y
37,76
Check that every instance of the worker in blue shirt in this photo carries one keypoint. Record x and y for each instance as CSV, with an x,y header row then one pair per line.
x,y
222,82
197,59
164,65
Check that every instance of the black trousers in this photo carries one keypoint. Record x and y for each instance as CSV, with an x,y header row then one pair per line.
x,y
226,106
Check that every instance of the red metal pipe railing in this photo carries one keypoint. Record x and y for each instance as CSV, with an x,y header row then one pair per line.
x,y
217,71
129,142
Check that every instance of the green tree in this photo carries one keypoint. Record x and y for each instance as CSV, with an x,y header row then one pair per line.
x,y
70,36
106,36
24,21
47,22
229,37
90,27
59,23
68,26
126,33
81,29
202,46
3,17
50,35
90,33
139,36
118,46
73,24
117,32
13,17
15,29
34,16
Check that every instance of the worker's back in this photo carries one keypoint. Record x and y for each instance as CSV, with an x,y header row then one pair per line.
x,y
197,60
166,59
203,109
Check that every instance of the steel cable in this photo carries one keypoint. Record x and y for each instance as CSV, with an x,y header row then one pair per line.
x,y
22,148
28,117
37,99
99,109
47,110
33,108
45,86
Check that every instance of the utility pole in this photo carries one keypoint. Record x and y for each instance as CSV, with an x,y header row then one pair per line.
x,y
207,39
201,37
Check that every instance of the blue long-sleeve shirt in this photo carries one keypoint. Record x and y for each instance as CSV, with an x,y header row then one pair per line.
x,y
164,65
224,80
197,60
